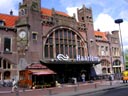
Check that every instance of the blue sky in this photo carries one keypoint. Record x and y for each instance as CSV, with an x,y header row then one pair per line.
x,y
104,12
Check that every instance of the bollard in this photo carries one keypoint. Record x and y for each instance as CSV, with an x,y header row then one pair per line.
x,y
75,88
95,85
78,84
110,83
23,89
62,86
17,93
50,92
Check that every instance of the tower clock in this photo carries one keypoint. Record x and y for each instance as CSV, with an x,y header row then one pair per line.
x,y
22,39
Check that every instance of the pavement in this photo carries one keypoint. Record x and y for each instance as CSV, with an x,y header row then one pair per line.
x,y
66,89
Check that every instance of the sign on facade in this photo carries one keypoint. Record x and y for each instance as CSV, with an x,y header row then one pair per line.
x,y
78,58
62,57
87,58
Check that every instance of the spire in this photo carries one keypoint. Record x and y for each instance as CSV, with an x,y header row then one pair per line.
x,y
11,12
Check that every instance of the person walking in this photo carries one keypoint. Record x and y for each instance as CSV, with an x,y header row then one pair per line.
x,y
14,85
83,77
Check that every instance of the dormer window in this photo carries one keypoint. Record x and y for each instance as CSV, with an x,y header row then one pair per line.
x,y
2,23
98,37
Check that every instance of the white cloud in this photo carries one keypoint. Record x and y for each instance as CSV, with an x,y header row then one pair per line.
x,y
72,10
104,22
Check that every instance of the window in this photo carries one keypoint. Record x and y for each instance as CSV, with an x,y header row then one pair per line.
x,y
64,43
116,63
102,51
0,62
82,18
34,35
0,44
23,12
7,44
2,23
106,50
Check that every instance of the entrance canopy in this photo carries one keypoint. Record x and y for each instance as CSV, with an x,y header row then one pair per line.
x,y
70,62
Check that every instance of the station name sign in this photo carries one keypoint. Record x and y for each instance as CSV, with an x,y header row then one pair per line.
x,y
87,58
78,58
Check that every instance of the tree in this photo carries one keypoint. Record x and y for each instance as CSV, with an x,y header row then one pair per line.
x,y
126,57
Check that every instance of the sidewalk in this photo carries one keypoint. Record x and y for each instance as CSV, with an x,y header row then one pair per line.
x,y
65,90
107,86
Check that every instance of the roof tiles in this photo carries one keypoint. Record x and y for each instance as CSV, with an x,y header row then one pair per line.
x,y
48,12
8,19
102,34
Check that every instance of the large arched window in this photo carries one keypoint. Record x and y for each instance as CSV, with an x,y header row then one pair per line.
x,y
64,41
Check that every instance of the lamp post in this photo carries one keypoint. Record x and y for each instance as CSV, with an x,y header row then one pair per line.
x,y
119,21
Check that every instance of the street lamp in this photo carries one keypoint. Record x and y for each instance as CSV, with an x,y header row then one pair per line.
x,y
119,21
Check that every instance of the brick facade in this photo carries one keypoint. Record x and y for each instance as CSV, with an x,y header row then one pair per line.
x,y
42,27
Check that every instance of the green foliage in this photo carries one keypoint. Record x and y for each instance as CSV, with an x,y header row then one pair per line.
x,y
126,57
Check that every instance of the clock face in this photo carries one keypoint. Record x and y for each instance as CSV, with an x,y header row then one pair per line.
x,y
22,34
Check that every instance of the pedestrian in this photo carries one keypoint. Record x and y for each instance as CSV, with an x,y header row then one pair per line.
x,y
83,77
14,85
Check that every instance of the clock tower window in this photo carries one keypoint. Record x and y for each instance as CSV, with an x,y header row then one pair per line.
x,y
34,35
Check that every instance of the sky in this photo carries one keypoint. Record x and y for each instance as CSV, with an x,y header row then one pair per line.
x,y
105,12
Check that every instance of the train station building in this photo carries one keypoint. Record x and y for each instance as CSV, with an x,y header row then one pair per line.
x,y
41,38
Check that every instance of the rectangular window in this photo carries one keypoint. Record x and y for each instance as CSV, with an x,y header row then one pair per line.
x,y
61,49
70,51
7,44
2,23
0,62
56,34
8,66
51,51
34,36
61,34
46,51
66,49
0,44
102,51
65,34
57,49
106,50
74,52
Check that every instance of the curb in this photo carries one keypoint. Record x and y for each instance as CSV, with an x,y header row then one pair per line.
x,y
83,92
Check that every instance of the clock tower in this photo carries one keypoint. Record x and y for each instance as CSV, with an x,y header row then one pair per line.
x,y
29,33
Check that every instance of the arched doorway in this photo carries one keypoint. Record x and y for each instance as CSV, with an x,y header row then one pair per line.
x,y
71,45
7,75
106,67
7,69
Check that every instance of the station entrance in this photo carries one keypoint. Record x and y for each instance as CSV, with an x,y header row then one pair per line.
x,y
65,72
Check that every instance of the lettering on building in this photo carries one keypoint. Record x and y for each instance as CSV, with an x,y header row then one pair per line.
x,y
87,58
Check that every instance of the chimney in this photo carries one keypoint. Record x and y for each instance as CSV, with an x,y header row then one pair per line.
x,y
11,12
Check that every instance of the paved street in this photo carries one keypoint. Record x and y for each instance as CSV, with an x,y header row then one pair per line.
x,y
121,91
65,90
